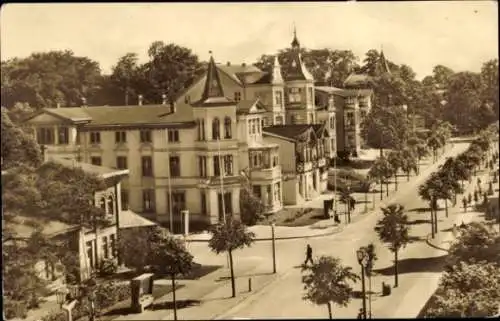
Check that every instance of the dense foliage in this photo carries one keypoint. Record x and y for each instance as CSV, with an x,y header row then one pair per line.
x,y
327,281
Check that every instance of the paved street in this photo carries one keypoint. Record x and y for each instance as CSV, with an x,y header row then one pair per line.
x,y
419,262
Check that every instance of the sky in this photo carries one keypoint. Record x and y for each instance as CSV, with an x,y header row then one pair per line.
x,y
458,34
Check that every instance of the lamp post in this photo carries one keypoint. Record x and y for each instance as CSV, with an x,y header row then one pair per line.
x,y
362,260
274,247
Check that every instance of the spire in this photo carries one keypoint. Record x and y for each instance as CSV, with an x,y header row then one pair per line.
x,y
295,41
276,77
384,66
213,86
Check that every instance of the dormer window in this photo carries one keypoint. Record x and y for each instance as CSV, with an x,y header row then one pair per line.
x,y
237,96
187,99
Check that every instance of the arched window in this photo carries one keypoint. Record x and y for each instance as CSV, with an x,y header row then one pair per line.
x,y
215,129
227,127
103,205
111,208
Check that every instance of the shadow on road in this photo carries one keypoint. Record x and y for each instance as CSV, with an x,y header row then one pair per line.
x,y
416,238
415,222
169,305
226,278
419,210
414,265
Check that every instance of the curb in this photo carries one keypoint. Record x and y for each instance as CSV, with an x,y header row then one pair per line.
x,y
335,231
428,242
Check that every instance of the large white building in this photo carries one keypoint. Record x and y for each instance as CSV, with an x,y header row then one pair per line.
x,y
197,153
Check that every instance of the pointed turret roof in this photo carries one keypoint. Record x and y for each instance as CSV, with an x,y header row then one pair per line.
x,y
213,94
295,41
383,63
276,76
297,70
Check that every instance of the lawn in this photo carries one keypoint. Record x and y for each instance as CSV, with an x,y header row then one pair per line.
x,y
295,217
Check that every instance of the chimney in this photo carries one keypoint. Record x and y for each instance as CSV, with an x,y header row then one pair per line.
x,y
139,100
84,102
163,99
228,63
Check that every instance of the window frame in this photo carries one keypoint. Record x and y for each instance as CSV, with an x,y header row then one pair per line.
x,y
95,137
65,131
93,158
120,160
173,135
148,197
147,171
228,132
174,171
215,128
146,136
120,137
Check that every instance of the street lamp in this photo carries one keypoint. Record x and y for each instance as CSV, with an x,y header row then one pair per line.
x,y
274,247
363,260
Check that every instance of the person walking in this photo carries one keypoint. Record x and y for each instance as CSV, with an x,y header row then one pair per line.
x,y
309,253
360,314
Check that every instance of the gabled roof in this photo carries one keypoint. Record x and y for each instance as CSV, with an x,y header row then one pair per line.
x,y
250,107
129,219
344,92
238,73
213,93
320,130
102,171
21,227
357,79
290,132
124,115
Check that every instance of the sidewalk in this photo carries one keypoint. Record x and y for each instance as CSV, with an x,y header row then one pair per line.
x,y
328,226
208,296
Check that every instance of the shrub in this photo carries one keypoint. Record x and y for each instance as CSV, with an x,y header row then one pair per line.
x,y
15,309
108,267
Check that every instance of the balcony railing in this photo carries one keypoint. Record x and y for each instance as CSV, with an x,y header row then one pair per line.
x,y
304,166
266,173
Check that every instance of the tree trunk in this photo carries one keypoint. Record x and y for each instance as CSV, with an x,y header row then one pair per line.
x,y
387,188
126,95
381,190
408,176
396,181
435,222
329,305
233,284
173,296
396,268
446,206
432,221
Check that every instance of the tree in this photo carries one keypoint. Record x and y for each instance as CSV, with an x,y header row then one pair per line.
x,y
382,170
442,75
347,199
429,191
171,68
251,207
124,74
385,127
476,243
46,79
489,81
227,237
434,143
409,162
393,229
327,281
395,158
170,256
17,146
467,290
135,246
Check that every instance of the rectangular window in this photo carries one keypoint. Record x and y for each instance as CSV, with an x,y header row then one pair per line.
x,y
147,166
45,136
202,166
237,96
148,200
279,120
90,253
203,201
216,166
96,160
124,199
277,191
278,98
173,136
350,119
178,202
63,135
201,129
145,136
227,205
105,249
121,162
112,241
187,99
257,191
120,137
175,166
294,95
228,165
95,137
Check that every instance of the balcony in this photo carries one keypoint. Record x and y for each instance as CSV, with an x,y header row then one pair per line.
x,y
266,173
321,162
350,105
304,166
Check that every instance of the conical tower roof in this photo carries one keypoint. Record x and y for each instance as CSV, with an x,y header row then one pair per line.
x,y
213,93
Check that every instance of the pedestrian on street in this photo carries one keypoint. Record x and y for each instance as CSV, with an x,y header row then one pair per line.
x,y
309,253
360,314
455,230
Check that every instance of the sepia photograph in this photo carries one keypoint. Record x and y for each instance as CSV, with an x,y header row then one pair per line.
x,y
250,160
